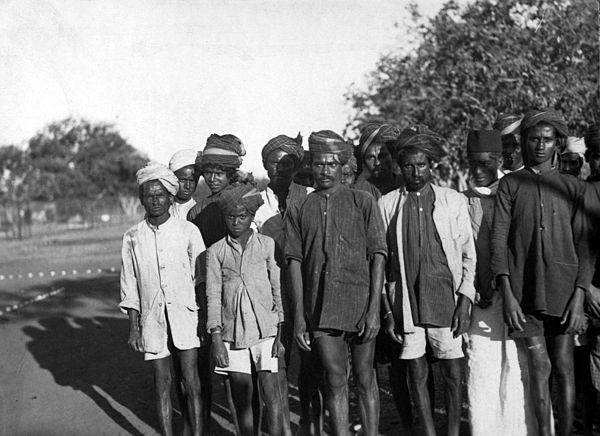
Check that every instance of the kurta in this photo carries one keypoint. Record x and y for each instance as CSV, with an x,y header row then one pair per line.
x,y
180,210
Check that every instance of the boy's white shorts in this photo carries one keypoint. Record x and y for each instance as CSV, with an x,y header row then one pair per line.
x,y
240,360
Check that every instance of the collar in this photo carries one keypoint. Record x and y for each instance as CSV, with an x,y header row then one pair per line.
x,y
162,226
486,191
332,192
423,191
235,244
541,173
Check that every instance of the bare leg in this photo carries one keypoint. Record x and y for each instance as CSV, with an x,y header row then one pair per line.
x,y
162,385
311,404
333,352
418,374
561,349
274,401
284,391
398,374
241,393
205,370
452,374
539,373
366,383
191,388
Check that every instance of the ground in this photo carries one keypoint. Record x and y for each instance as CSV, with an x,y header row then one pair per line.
x,y
65,367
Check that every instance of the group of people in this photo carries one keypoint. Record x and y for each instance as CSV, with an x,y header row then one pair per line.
x,y
357,257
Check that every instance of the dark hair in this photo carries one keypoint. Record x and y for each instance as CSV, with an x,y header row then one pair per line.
x,y
230,173
408,150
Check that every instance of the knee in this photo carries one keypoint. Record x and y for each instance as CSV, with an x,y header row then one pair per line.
x,y
191,385
365,378
163,381
336,378
540,362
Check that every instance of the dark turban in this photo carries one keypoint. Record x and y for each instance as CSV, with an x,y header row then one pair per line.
x,y
507,124
420,138
286,144
326,141
592,138
483,141
223,150
548,116
376,132
246,196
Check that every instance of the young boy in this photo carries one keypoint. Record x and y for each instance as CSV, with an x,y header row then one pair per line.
x,y
244,309
183,164
158,269
538,264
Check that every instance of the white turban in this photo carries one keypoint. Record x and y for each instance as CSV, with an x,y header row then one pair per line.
x,y
182,158
575,145
156,171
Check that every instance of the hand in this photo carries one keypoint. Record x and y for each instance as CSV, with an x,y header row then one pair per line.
x,y
278,348
135,340
592,301
461,320
220,352
513,314
300,333
574,317
368,326
389,327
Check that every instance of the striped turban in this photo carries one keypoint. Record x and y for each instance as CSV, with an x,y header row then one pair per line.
x,y
156,171
575,145
420,138
508,124
548,116
592,138
376,133
246,196
286,144
223,150
182,158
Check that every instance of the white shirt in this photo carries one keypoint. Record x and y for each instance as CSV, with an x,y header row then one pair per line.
x,y
180,210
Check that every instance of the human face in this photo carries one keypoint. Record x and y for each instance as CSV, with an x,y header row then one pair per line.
x,y
348,175
511,153
416,170
187,183
570,163
327,170
483,167
280,168
378,160
238,221
594,161
540,144
156,200
216,179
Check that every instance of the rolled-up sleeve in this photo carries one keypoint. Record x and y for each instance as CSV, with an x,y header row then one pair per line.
x,y
469,256
130,296
500,229
274,278
376,239
214,289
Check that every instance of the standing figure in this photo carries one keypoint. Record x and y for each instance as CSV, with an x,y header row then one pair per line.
x,y
335,246
183,164
573,156
494,378
244,310
537,264
430,275
349,171
508,125
158,271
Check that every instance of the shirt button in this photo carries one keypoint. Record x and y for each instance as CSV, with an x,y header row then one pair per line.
x,y
159,304
418,194
420,209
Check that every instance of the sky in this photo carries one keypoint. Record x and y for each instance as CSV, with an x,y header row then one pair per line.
x,y
170,73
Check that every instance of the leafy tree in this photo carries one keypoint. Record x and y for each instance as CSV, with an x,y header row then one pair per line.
x,y
475,61
16,174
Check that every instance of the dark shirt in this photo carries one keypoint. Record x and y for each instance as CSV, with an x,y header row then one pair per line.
x,y
207,216
591,216
428,277
536,240
379,190
334,236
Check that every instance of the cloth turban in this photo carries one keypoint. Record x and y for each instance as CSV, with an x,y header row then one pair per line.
x,y
156,171
182,158
592,138
223,150
507,124
575,145
326,141
548,116
374,133
483,141
288,145
420,138
242,195
353,164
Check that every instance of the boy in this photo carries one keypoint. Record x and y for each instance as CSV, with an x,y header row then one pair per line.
x,y
158,269
537,263
183,164
244,309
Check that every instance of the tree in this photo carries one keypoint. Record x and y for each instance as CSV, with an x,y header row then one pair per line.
x,y
16,174
475,61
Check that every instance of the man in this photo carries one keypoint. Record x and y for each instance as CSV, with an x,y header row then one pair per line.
x,y
538,264
335,247
508,126
349,172
572,157
494,378
376,176
183,164
430,275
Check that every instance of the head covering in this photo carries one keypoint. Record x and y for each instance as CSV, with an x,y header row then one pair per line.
x,y
326,141
242,195
483,141
224,150
420,138
507,124
575,145
592,138
182,158
376,132
156,171
548,116
288,145
353,164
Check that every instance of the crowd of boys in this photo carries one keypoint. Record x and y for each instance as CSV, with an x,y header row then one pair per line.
x,y
357,256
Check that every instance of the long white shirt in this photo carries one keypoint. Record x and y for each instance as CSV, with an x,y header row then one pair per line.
x,y
180,210
158,273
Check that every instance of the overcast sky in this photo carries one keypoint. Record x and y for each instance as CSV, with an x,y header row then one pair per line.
x,y
170,73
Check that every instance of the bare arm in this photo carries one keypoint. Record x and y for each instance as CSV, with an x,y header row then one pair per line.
x,y
369,326
294,273
135,336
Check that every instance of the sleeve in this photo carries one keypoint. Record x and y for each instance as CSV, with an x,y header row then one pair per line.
x,y
293,238
197,255
214,289
583,236
130,296
274,278
500,228
469,256
375,229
